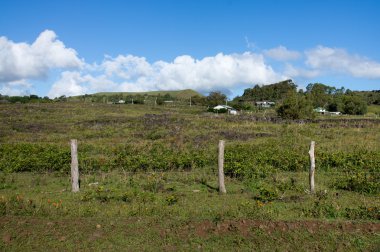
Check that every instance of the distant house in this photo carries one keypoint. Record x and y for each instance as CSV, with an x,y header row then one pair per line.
x,y
121,102
335,113
219,107
265,104
320,110
227,108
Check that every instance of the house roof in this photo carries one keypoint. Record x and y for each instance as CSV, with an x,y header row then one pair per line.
x,y
320,109
223,107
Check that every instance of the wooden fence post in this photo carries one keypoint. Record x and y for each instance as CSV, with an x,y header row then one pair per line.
x,y
74,166
222,188
312,167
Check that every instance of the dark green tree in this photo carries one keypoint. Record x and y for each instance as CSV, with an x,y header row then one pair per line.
x,y
354,105
273,92
295,106
216,98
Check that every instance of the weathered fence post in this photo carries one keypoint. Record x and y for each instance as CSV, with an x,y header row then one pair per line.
x,y
74,166
312,167
222,188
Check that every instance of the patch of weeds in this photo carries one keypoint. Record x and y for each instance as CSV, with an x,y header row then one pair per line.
x,y
364,213
264,192
155,183
3,206
5,183
37,180
100,194
126,197
218,217
360,182
17,205
170,188
171,200
288,185
322,208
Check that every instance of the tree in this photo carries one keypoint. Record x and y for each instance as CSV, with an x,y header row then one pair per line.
x,y
215,98
273,92
354,105
320,94
295,106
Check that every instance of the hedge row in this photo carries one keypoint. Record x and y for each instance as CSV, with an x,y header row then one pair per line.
x,y
240,160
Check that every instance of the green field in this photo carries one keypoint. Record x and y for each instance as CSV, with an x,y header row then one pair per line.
x,y
149,180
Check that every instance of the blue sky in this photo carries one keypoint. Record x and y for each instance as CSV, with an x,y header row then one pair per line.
x,y
83,46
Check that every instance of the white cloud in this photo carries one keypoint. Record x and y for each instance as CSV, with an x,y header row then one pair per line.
x,y
339,60
16,88
208,73
281,53
33,61
295,72
23,62
70,84
137,74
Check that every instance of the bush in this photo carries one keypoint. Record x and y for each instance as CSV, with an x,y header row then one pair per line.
x,y
34,157
360,182
295,106
354,105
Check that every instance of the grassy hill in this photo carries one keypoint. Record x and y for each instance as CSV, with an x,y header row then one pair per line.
x,y
178,94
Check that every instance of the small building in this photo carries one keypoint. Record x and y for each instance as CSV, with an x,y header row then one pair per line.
x,y
230,110
121,102
265,104
335,113
320,110
219,107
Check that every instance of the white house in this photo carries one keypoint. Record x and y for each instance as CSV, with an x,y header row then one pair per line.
x,y
229,109
265,104
219,107
320,110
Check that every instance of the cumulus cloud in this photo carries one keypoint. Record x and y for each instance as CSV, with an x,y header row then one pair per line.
x,y
132,73
295,72
20,61
281,53
187,72
73,83
339,60
16,88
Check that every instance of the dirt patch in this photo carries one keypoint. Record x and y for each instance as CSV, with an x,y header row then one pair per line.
x,y
202,229
247,227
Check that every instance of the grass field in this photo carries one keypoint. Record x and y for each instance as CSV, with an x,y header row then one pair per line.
x,y
148,180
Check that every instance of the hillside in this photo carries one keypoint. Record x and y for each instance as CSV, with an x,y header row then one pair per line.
x,y
178,94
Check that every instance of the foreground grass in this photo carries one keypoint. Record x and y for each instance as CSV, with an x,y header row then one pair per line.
x,y
73,234
183,211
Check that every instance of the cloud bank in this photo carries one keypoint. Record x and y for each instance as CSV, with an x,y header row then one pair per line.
x,y
23,63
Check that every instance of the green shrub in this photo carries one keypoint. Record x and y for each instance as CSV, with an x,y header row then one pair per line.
x,y
366,213
360,182
33,158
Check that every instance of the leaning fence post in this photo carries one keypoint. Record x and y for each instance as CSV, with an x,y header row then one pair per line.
x,y
312,167
74,166
222,188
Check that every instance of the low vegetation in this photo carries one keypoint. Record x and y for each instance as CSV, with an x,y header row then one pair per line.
x,y
153,169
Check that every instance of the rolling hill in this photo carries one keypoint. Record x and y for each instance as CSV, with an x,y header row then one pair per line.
x,y
178,94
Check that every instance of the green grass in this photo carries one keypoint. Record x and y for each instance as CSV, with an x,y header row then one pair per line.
x,y
170,201
183,211
374,109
